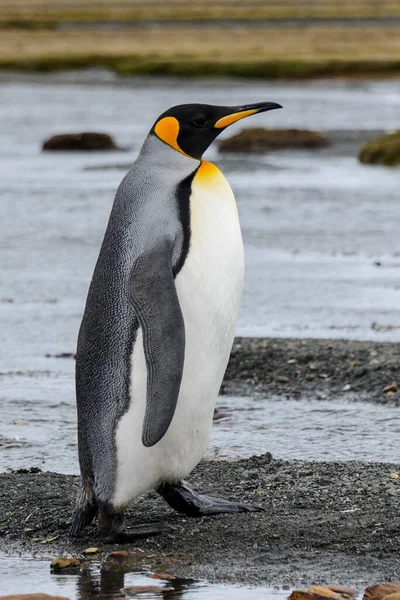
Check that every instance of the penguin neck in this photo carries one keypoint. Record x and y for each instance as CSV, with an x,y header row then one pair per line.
x,y
158,153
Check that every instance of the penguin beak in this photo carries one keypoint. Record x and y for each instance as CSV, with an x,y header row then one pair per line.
x,y
240,112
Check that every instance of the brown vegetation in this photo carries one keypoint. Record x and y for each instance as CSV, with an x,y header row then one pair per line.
x,y
258,139
384,150
47,13
245,51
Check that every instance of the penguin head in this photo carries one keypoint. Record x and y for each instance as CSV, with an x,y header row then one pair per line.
x,y
191,128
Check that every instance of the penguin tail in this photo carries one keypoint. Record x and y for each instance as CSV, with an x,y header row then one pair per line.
x,y
86,510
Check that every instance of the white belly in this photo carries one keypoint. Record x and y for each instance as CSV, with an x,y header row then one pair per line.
x,y
209,288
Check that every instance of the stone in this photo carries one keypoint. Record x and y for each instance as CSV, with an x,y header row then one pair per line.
x,y
257,139
82,142
384,150
393,387
64,562
324,592
381,590
32,597
91,551
343,590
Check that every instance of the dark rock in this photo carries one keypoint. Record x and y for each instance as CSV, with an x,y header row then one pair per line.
x,y
261,140
86,142
384,150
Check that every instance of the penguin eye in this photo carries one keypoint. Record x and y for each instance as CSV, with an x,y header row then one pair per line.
x,y
199,122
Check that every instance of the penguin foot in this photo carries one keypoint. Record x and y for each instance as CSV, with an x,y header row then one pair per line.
x,y
185,500
131,534
114,532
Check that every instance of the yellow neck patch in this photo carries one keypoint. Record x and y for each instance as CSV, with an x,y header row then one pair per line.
x,y
168,130
229,119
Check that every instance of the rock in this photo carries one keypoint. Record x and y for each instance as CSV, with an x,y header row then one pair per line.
x,y
282,379
381,590
384,150
146,589
86,141
324,592
91,551
343,590
32,597
257,139
316,592
391,388
64,562
395,596
394,475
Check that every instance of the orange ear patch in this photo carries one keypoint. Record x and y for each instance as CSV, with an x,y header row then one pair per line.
x,y
229,119
168,130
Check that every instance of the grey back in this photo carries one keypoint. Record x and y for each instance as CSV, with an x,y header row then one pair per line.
x,y
145,212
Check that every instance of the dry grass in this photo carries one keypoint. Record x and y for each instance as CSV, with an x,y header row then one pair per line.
x,y
52,12
244,50
212,50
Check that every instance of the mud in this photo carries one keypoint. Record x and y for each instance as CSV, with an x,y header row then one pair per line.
x,y
323,522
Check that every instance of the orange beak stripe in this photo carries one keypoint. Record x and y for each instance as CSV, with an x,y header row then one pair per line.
x,y
229,119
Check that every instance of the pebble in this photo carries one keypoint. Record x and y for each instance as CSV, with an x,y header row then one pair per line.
x,y
91,551
393,387
64,562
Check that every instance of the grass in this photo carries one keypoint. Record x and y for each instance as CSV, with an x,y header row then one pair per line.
x,y
384,150
50,13
246,52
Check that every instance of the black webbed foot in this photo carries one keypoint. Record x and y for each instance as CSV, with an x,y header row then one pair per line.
x,y
185,500
113,530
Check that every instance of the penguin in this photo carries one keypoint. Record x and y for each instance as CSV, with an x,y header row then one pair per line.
x,y
159,325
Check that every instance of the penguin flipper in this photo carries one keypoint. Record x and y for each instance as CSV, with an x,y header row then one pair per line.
x,y
153,296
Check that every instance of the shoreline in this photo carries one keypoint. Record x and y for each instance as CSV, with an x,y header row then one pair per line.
x,y
323,521
314,368
269,70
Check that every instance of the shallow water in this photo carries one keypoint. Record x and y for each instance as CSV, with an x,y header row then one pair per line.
x,y
320,229
98,584
41,432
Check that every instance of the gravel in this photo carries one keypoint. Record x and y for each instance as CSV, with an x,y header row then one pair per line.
x,y
323,522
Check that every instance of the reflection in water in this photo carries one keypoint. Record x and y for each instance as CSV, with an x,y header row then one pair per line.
x,y
27,575
102,584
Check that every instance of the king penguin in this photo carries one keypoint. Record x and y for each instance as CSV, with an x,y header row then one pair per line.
x,y
159,324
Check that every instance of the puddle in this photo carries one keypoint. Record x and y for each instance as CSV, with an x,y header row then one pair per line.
x,y
99,584
41,432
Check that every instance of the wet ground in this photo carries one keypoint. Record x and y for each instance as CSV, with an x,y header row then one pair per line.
x,y
323,522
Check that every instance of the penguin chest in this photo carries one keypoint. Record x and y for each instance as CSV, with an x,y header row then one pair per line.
x,y
209,288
